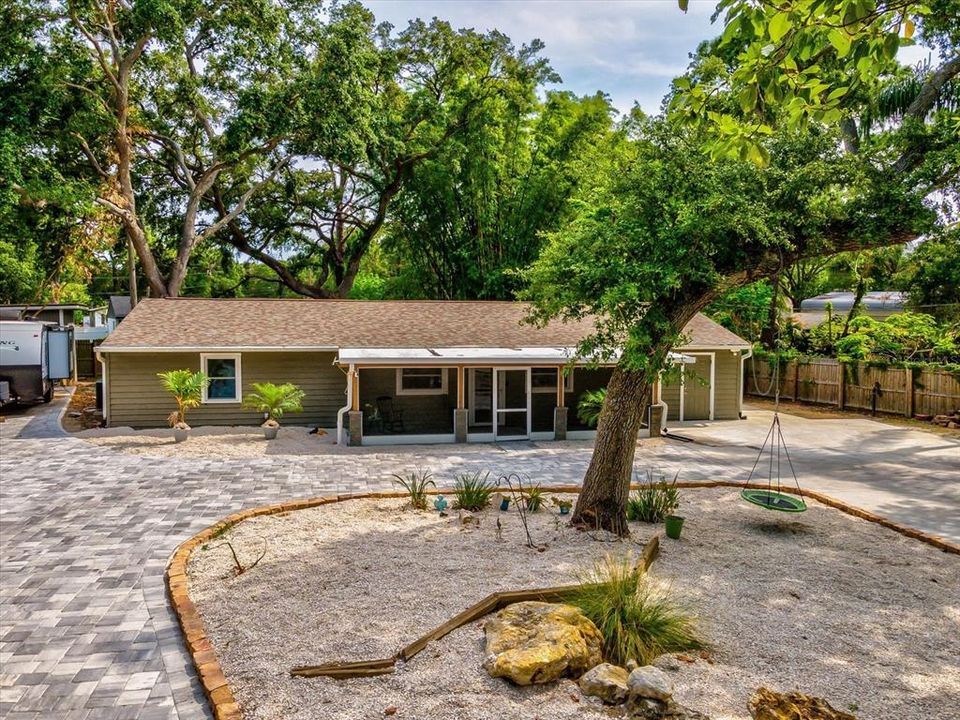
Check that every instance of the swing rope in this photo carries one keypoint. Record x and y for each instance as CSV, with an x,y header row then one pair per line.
x,y
775,499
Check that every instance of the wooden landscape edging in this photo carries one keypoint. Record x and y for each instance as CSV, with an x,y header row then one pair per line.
x,y
215,687
491,603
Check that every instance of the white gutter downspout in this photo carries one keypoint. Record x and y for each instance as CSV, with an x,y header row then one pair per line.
x,y
349,406
742,382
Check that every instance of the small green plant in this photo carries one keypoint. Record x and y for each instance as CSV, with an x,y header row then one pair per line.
x,y
590,405
416,483
274,400
654,500
186,387
533,498
473,492
563,504
637,620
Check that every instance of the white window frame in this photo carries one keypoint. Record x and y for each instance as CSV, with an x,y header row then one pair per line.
x,y
442,390
567,382
204,357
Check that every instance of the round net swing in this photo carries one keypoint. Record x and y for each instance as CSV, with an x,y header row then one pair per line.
x,y
772,497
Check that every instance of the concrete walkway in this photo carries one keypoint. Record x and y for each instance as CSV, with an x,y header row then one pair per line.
x,y
85,533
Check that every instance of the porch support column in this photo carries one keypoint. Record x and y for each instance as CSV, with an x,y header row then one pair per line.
x,y
355,415
559,423
655,418
460,413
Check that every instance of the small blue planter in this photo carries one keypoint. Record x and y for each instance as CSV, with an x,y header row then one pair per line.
x,y
440,504
505,504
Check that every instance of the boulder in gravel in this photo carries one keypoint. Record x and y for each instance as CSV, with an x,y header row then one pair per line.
x,y
769,705
649,709
607,682
650,682
536,642
667,662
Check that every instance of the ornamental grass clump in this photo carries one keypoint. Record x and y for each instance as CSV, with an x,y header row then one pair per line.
x,y
473,491
415,484
653,501
637,620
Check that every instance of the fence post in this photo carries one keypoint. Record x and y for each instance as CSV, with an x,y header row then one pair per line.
x,y
841,384
908,372
796,380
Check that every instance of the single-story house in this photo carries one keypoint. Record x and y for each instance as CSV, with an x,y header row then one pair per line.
x,y
386,372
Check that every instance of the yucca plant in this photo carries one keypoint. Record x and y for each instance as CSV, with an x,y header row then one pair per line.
x,y
637,620
590,405
416,483
533,498
186,387
473,492
653,501
274,400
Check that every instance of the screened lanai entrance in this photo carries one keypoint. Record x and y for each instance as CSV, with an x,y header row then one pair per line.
x,y
499,403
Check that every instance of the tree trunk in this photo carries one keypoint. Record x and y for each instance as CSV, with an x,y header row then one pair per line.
x,y
606,486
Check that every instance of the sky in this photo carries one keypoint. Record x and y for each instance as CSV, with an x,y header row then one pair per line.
x,y
630,49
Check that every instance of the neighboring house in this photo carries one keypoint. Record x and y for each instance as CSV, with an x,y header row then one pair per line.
x,y
118,307
393,371
880,305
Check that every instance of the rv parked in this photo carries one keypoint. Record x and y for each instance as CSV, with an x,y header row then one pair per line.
x,y
33,355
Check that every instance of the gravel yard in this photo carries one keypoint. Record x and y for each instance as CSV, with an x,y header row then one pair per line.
x,y
212,442
823,602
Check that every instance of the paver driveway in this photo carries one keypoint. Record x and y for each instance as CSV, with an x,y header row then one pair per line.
x,y
85,534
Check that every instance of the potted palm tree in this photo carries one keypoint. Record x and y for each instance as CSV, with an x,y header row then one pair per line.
x,y
273,401
186,387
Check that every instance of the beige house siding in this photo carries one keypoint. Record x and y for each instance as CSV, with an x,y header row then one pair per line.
x,y
726,395
137,399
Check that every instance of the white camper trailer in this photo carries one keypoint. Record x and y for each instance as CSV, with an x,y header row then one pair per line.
x,y
33,355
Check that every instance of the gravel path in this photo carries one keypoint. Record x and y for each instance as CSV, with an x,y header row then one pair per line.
x,y
823,602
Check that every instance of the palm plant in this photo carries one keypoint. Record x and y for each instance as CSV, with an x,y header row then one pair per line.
x,y
274,400
416,484
590,405
186,387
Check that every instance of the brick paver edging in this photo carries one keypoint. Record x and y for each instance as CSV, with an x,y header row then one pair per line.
x,y
221,698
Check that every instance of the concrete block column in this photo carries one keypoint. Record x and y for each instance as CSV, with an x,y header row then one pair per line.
x,y
560,423
355,425
656,420
460,420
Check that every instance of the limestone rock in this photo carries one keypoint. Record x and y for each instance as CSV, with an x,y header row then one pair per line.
x,y
537,642
769,705
607,682
632,665
649,709
650,682
667,662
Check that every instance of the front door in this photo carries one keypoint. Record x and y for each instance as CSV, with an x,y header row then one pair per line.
x,y
511,403
696,388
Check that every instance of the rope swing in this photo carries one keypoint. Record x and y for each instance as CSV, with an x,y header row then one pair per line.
x,y
772,497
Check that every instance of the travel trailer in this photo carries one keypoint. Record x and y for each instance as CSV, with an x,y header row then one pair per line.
x,y
33,355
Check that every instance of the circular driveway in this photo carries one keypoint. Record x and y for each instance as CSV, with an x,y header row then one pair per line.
x,y
85,533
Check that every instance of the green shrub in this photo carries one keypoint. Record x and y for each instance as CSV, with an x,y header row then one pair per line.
x,y
590,405
274,400
472,492
637,620
653,501
416,484
534,498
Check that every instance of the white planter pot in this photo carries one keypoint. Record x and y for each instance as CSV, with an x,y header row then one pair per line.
x,y
180,434
270,432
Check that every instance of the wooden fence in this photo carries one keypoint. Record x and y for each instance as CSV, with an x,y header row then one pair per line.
x,y
824,381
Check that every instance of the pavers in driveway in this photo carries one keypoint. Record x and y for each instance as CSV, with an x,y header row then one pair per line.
x,y
85,534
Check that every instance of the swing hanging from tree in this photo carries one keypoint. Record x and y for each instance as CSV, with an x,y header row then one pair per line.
x,y
772,497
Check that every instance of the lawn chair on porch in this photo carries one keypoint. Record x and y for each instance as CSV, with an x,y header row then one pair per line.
x,y
391,414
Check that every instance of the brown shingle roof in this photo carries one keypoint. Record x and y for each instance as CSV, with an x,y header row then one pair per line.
x,y
272,323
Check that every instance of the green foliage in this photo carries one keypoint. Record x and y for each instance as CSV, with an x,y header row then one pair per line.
x,y
274,400
186,387
473,491
902,337
415,484
533,497
590,405
931,276
744,310
637,620
654,500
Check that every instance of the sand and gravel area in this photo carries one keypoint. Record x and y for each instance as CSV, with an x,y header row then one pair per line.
x,y
212,442
822,602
